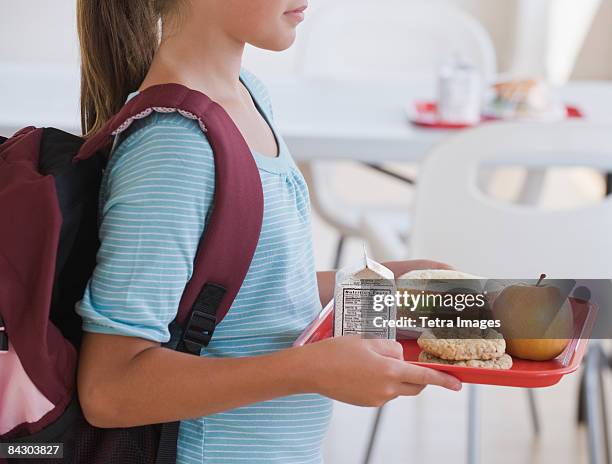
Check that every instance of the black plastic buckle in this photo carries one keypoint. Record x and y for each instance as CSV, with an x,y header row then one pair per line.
x,y
3,342
199,331
3,337
203,320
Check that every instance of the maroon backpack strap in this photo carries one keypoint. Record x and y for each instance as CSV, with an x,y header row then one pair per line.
x,y
226,248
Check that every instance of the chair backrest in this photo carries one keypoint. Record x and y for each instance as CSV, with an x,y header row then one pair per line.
x,y
457,223
391,38
359,39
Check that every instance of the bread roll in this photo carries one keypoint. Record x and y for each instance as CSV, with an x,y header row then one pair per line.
x,y
438,274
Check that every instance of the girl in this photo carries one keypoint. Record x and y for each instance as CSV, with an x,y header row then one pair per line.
x,y
250,397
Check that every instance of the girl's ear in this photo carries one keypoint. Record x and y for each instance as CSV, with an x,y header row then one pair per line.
x,y
118,39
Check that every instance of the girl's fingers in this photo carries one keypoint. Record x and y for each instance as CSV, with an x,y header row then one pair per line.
x,y
388,348
410,389
423,376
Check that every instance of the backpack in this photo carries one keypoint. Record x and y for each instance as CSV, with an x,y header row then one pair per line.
x,y
49,187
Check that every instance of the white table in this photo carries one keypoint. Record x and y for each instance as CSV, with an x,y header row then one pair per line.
x,y
366,120
320,119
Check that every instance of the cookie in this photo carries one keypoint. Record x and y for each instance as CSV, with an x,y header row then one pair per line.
x,y
503,362
463,344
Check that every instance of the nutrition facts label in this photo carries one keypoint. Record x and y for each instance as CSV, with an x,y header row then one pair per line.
x,y
358,315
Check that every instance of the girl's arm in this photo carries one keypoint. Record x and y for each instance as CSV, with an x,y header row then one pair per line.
x,y
127,381
326,279
125,377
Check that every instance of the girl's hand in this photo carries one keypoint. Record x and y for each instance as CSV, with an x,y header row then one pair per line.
x,y
400,268
368,372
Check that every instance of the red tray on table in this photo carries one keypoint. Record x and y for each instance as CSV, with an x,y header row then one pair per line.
x,y
530,374
424,113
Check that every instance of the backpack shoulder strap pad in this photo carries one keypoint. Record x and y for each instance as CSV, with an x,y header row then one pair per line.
x,y
227,247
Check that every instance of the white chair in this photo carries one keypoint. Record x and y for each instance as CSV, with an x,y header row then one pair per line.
x,y
461,225
360,39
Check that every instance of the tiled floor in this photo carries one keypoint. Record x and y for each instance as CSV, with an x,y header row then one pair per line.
x,y
431,428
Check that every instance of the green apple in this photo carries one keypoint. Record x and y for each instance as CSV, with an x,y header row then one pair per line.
x,y
536,320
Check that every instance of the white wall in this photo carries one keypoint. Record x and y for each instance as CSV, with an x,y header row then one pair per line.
x,y
44,31
38,31
595,59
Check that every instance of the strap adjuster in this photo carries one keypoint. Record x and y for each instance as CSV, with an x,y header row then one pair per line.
x,y
199,331
203,320
3,342
3,337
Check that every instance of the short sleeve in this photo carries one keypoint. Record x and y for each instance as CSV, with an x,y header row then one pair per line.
x,y
159,187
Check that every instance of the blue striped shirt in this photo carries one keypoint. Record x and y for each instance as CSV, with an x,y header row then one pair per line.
x,y
156,194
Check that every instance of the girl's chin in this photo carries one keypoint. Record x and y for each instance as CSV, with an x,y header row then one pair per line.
x,y
279,43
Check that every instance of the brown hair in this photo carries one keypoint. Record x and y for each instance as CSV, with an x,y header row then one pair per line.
x,y
118,39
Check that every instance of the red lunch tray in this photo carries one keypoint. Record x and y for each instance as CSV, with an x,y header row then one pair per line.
x,y
425,114
530,374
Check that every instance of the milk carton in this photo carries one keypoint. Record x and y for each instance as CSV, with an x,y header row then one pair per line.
x,y
459,93
357,288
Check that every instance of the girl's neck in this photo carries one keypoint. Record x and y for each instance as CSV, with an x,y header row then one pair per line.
x,y
204,59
